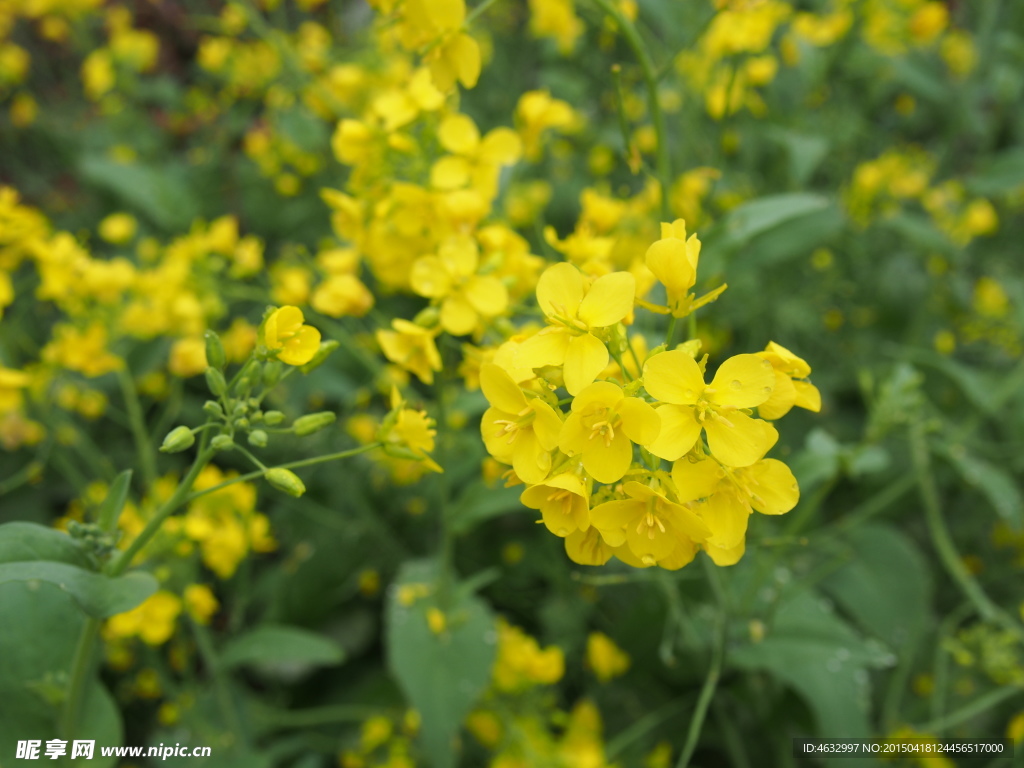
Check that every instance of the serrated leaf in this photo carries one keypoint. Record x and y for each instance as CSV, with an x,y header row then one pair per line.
x,y
98,595
886,587
442,674
276,645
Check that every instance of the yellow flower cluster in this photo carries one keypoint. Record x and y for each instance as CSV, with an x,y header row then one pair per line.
x,y
596,472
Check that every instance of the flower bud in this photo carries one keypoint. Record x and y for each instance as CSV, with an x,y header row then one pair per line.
x,y
215,382
212,408
258,438
215,356
285,480
325,350
273,418
178,439
313,422
222,443
272,373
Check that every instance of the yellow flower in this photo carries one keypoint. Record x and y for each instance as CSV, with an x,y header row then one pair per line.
x,y
789,389
563,502
188,357
284,333
342,295
574,312
407,433
673,260
516,430
603,426
522,664
604,657
689,406
200,602
451,277
153,621
412,347
654,530
118,228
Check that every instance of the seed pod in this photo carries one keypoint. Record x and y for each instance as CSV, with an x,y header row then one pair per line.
x,y
178,439
212,408
314,422
215,356
285,480
215,382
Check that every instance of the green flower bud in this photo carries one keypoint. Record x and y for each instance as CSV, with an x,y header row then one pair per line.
x,y
314,422
238,411
428,317
258,438
273,418
326,348
215,356
212,408
222,443
242,423
272,373
285,480
215,382
178,439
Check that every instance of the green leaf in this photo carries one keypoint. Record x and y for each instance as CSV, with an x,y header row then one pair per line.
x,y
758,216
481,502
282,646
35,656
886,587
1002,173
99,596
995,484
443,674
110,509
823,659
20,542
160,194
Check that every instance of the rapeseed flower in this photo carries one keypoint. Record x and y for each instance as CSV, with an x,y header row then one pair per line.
x,y
285,335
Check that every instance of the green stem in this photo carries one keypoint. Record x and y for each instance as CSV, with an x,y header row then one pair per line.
x,y
143,443
225,701
650,75
328,715
477,12
290,465
943,541
670,333
707,691
81,671
180,496
975,708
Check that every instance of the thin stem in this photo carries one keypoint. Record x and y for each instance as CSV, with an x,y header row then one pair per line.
x,y
225,701
248,454
327,715
120,565
477,12
707,692
943,541
670,333
143,443
650,75
290,465
81,671
975,708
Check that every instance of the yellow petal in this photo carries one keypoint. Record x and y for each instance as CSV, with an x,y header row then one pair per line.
x,y
487,294
460,255
560,290
807,396
459,135
548,347
450,173
494,435
604,394
647,546
743,381
573,435
464,51
613,517
682,555
774,490
429,277
696,479
723,556
673,377
784,360
742,441
301,347
499,389
679,431
458,316
501,146
685,523
609,300
667,259
587,548
546,424
727,517
640,421
530,461
585,357
782,398
608,463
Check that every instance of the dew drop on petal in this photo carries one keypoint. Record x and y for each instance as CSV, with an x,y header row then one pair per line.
x,y
736,384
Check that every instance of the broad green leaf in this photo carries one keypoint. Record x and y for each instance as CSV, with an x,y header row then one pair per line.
x,y
480,502
823,659
795,238
1002,173
282,646
758,216
995,484
99,596
20,542
886,587
442,674
806,151
919,230
160,194
35,657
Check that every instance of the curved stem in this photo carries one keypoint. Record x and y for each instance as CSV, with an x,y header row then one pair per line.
x,y
81,671
143,443
650,74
